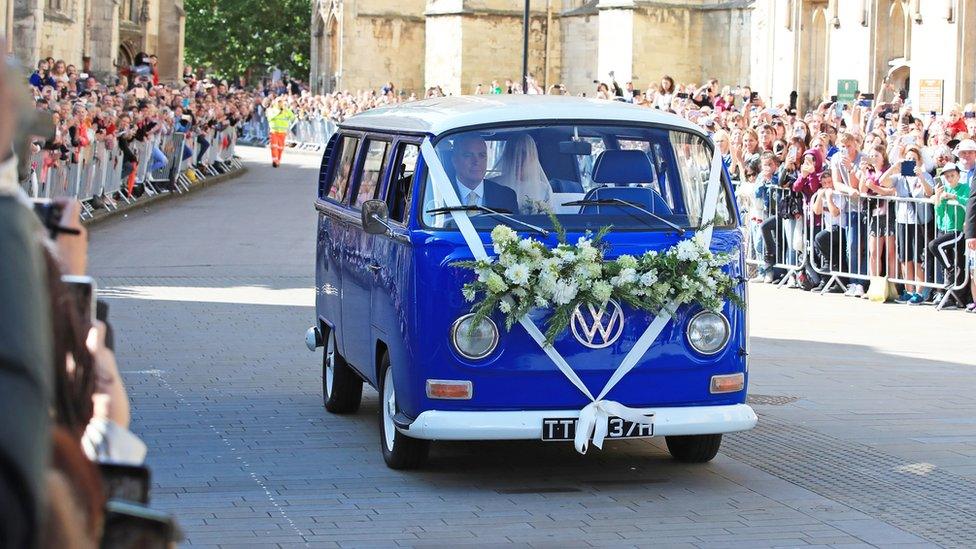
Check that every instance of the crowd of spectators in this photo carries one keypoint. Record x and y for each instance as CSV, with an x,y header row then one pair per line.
x,y
866,189
130,110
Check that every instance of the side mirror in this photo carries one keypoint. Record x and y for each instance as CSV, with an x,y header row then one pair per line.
x,y
375,216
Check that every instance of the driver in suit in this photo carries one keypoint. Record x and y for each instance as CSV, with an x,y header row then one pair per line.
x,y
470,160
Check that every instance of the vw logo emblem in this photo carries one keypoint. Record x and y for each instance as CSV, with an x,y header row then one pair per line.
x,y
597,327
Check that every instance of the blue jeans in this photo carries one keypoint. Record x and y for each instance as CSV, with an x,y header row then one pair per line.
x,y
857,250
159,160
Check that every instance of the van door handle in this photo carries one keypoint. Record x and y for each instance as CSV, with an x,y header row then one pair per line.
x,y
374,267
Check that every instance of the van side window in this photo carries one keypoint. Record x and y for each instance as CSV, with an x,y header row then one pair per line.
x,y
373,168
401,184
340,175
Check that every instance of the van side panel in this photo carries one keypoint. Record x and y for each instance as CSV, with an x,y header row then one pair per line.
x,y
328,279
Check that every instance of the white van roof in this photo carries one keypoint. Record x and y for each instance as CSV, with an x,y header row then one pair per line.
x,y
443,114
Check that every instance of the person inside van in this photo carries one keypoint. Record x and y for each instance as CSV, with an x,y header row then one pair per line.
x,y
519,169
470,160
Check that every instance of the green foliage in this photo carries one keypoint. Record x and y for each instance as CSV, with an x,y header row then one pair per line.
x,y
231,38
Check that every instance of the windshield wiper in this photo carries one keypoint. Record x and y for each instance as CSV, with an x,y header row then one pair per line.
x,y
498,212
620,202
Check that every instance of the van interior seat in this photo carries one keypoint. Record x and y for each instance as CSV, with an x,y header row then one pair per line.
x,y
616,168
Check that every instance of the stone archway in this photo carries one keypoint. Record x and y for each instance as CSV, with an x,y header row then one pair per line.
x,y
127,55
326,44
812,59
893,43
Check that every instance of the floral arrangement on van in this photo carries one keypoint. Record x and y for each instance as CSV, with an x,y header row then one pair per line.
x,y
527,274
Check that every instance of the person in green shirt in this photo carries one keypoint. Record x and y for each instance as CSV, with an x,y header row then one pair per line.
x,y
280,118
948,248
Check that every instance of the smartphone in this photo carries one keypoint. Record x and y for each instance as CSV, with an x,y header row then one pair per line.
x,y
932,114
908,168
681,95
791,153
186,102
82,292
969,114
125,482
865,103
833,98
134,525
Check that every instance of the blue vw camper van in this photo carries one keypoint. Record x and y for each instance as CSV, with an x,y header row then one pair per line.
x,y
404,193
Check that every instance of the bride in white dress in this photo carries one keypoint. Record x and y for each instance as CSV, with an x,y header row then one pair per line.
x,y
519,169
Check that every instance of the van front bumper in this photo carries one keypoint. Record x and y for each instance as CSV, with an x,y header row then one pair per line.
x,y
527,425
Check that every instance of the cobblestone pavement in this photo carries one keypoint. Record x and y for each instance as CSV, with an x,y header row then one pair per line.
x,y
867,429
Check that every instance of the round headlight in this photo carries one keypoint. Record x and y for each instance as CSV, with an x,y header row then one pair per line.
x,y
708,332
475,342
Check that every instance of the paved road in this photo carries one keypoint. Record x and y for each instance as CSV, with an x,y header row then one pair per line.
x,y
867,427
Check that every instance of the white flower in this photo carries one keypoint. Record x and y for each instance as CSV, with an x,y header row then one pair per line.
x,y
520,293
627,262
526,244
686,250
628,276
541,301
564,292
517,274
502,234
496,284
602,291
468,293
589,254
504,307
648,278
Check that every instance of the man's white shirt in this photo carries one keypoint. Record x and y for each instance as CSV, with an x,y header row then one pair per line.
x,y
465,192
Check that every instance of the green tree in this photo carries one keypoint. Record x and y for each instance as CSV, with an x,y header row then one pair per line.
x,y
231,38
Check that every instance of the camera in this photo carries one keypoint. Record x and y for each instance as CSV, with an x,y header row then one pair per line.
x,y
50,214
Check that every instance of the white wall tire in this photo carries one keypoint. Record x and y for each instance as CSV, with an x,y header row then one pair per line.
x,y
342,389
399,450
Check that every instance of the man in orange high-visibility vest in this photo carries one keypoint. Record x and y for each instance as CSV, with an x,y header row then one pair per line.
x,y
280,119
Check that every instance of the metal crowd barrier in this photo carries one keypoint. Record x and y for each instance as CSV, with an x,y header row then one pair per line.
x,y
311,133
863,242
96,173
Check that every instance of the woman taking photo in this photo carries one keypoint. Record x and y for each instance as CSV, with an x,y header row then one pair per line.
x,y
881,213
912,218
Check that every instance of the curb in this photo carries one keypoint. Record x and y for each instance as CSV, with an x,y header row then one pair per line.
x,y
104,215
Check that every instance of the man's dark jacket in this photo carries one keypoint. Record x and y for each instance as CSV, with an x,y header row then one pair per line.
x,y
25,375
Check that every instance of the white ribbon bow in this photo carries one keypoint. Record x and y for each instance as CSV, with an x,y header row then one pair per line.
x,y
595,416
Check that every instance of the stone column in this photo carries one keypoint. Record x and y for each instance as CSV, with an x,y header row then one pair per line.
x,y
104,38
616,41
170,40
28,21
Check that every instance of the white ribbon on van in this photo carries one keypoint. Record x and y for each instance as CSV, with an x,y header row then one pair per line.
x,y
594,417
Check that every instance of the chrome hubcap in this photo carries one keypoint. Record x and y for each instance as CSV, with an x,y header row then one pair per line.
x,y
389,409
329,366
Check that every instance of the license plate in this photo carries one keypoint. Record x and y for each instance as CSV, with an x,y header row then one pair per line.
x,y
564,428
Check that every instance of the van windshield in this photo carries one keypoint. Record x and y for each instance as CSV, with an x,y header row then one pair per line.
x,y
589,176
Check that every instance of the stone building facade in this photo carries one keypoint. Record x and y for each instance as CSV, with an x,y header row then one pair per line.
x,y
100,36
458,44
925,48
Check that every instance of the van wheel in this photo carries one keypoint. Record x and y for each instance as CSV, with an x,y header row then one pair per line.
x,y
399,450
694,448
342,389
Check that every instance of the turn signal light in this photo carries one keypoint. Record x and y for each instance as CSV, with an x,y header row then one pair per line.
x,y
732,383
449,390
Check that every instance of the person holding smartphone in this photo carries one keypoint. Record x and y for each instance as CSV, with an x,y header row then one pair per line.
x,y
948,248
911,181
880,212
